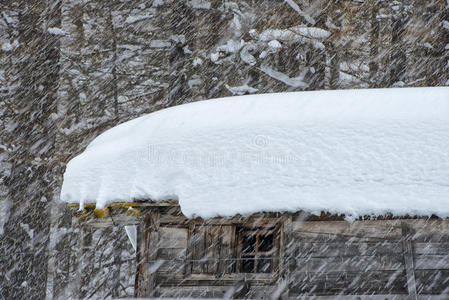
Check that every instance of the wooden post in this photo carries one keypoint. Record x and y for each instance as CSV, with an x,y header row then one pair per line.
x,y
147,244
285,254
189,250
408,260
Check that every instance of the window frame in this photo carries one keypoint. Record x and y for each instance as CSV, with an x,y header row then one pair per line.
x,y
245,230
271,224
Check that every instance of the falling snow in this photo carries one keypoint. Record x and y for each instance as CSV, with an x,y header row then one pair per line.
x,y
70,70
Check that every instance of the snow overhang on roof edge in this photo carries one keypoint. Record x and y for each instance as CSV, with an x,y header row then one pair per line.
x,y
352,152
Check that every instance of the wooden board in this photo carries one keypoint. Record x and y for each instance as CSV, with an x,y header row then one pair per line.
x,y
429,231
343,249
431,248
213,292
432,282
349,263
147,248
432,262
173,237
383,229
210,246
172,261
337,257
333,283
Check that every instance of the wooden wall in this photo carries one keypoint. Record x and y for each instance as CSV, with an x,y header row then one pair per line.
x,y
315,257
409,256
340,258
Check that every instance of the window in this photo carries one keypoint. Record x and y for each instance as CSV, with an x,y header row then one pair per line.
x,y
221,250
257,249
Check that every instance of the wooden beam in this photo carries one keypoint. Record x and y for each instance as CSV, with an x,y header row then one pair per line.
x,y
153,251
256,220
189,250
140,259
119,220
147,240
128,204
381,229
286,253
408,260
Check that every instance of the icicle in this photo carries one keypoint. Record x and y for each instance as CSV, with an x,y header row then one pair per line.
x,y
131,231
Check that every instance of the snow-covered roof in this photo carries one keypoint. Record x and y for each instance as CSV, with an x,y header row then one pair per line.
x,y
355,152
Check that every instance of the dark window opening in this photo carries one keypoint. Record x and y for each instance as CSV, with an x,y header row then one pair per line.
x,y
257,250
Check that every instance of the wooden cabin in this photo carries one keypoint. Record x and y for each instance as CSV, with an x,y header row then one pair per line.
x,y
282,255
357,152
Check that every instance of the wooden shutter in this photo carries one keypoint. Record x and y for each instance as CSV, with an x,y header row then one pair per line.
x,y
210,249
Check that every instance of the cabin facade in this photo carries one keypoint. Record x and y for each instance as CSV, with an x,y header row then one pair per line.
x,y
282,255
261,162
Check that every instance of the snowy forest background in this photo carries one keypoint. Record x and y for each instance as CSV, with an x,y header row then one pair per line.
x,y
71,69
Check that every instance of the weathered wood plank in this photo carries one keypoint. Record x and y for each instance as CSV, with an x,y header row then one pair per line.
x,y
198,245
334,283
432,262
176,254
174,220
428,225
333,249
173,237
213,292
193,292
384,229
408,262
431,248
432,282
120,220
154,227
429,230
141,257
256,220
286,252
227,250
148,239
172,261
167,279
351,263
213,245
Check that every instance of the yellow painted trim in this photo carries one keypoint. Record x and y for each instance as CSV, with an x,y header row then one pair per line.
x,y
100,213
114,204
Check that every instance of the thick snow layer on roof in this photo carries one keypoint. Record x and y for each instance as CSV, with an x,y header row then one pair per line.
x,y
355,152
